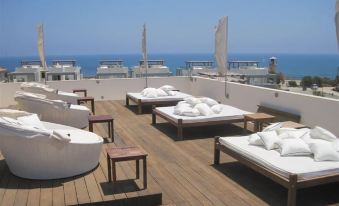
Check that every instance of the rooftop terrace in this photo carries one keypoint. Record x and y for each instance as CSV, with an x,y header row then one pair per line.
x,y
180,171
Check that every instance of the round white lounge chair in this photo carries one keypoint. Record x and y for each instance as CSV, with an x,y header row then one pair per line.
x,y
54,152
50,93
56,111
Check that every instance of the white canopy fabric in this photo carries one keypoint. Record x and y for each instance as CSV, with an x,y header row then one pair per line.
x,y
337,21
41,48
220,53
144,51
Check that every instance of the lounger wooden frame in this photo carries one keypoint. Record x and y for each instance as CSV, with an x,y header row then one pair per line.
x,y
158,102
180,124
291,183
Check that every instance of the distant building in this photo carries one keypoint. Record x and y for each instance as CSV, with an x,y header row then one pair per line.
x,y
29,71
3,74
156,68
64,70
111,69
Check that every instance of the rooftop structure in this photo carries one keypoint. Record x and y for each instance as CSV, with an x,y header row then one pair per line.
x,y
179,172
64,70
156,68
111,69
3,74
29,71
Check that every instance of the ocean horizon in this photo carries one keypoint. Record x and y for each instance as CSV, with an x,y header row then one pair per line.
x,y
291,65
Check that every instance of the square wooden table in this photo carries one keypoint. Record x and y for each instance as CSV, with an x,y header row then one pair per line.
x,y
258,119
102,119
87,99
81,90
119,154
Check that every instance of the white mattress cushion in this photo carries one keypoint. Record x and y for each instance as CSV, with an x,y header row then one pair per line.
x,y
228,113
178,96
282,165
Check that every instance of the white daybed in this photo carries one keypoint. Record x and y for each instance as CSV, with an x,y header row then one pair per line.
x,y
39,153
50,93
56,111
286,171
228,115
141,100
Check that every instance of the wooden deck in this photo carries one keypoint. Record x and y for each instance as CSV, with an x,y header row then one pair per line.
x,y
179,172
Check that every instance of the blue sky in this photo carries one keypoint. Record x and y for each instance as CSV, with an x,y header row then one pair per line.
x,y
174,26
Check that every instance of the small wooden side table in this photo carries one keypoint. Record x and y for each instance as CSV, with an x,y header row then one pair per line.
x,y
101,119
81,90
87,99
119,154
258,119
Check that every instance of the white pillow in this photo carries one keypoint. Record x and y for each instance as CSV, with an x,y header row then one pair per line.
x,y
269,139
32,120
179,108
145,91
192,101
167,88
324,152
210,102
204,109
12,113
293,147
172,93
284,129
321,133
272,127
190,112
336,145
299,133
254,139
217,108
161,93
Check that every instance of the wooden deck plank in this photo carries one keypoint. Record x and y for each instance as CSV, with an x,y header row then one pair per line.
x,y
46,193
58,193
9,196
34,193
70,192
22,193
81,190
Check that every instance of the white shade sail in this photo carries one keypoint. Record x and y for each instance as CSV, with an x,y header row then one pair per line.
x,y
144,50
220,53
41,48
337,21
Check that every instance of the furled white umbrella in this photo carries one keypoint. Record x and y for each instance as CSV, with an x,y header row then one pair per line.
x,y
220,52
41,48
144,51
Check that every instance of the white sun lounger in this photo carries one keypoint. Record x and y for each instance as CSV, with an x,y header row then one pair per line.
x,y
34,153
56,111
50,93
165,100
292,172
228,115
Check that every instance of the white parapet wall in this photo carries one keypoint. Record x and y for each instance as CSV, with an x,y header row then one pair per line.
x,y
312,109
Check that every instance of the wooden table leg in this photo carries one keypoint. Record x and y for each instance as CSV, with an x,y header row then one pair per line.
x,y
145,172
245,126
139,108
154,118
180,136
85,93
127,101
114,171
93,107
112,128
109,169
109,130
90,127
137,169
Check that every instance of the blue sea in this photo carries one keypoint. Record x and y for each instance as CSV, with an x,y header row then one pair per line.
x,y
291,65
